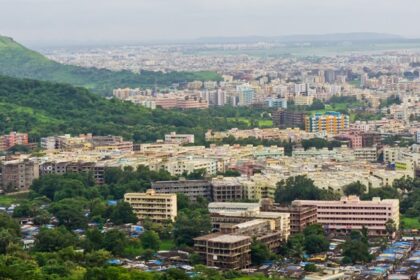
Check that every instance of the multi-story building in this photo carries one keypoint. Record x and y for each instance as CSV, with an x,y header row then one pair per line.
x,y
226,251
273,102
226,214
300,216
368,154
330,123
303,100
193,189
18,175
285,118
12,139
173,137
158,207
246,95
226,189
351,213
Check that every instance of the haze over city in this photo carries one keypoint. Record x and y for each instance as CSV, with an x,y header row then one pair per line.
x,y
59,22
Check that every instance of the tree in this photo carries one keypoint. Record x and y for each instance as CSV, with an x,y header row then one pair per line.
x,y
356,248
70,217
52,240
295,246
355,188
6,239
310,267
314,229
150,240
298,187
123,214
115,241
6,222
190,224
94,240
315,244
390,227
259,252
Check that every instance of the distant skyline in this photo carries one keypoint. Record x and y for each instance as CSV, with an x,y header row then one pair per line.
x,y
87,22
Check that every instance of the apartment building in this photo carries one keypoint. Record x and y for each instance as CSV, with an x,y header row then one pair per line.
x,y
351,213
226,189
193,189
238,207
63,167
12,139
173,137
225,251
179,165
226,214
300,216
303,100
86,141
18,175
368,154
330,123
284,118
158,207
260,229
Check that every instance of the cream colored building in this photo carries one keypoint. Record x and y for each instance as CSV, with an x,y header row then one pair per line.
x,y
157,207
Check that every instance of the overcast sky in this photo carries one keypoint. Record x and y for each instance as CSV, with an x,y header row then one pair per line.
x,y
61,22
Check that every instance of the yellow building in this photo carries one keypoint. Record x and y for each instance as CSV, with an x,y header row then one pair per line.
x,y
157,207
331,123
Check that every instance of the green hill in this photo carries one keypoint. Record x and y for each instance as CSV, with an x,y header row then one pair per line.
x,y
21,62
45,108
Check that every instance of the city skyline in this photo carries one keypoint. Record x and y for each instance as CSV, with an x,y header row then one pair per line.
x,y
60,22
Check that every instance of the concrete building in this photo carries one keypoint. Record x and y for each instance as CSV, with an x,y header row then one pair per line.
x,y
179,138
18,175
226,189
300,216
303,100
330,123
368,154
284,118
273,102
157,207
238,207
12,139
351,213
193,189
225,251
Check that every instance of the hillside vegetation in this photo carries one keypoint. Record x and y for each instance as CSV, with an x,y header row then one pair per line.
x,y
45,108
21,62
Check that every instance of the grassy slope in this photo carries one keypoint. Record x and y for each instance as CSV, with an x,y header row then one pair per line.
x,y
18,61
411,223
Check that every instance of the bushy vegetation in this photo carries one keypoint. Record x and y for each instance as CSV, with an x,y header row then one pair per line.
x,y
301,187
44,108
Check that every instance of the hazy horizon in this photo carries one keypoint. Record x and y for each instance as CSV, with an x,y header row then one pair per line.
x,y
81,22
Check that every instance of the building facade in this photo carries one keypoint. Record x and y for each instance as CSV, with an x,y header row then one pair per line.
x,y
330,123
157,207
351,213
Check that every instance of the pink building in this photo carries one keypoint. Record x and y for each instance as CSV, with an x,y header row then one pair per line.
x,y
14,138
351,213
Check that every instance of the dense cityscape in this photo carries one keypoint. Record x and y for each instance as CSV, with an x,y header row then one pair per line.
x,y
246,158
